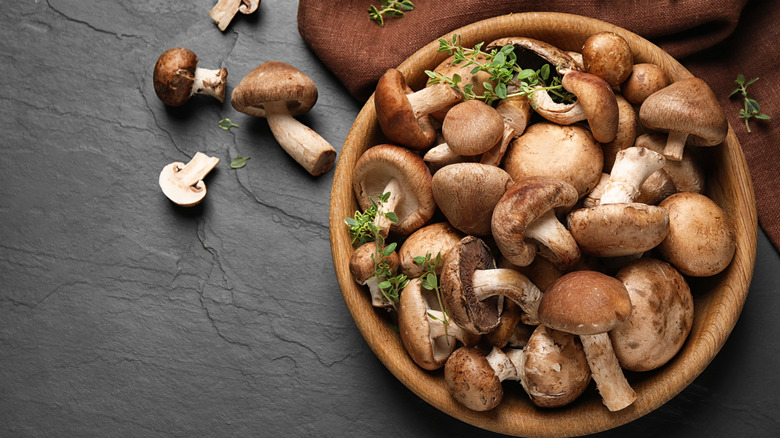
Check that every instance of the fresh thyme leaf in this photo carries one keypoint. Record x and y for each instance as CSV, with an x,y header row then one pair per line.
x,y
751,109
226,124
429,281
390,8
238,162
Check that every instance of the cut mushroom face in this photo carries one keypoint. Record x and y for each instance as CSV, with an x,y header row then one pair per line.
x,y
177,77
399,171
183,184
590,304
362,266
608,56
524,222
278,92
661,315
403,114
434,239
689,111
223,12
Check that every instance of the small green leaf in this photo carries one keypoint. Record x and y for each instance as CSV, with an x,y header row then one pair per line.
x,y
227,124
384,285
762,117
419,260
740,79
391,216
238,162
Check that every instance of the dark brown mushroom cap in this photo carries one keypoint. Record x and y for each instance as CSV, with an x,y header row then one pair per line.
x,y
472,127
661,315
460,300
689,106
556,57
585,303
471,380
274,81
614,230
380,164
174,75
396,115
598,103
524,202
555,370
608,56
431,239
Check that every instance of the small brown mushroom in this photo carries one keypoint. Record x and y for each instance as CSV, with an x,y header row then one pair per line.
x,y
608,56
449,68
686,175
362,266
598,103
474,379
435,240
183,184
223,12
278,92
177,77
472,127
644,80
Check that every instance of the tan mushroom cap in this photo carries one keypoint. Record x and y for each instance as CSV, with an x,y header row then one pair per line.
x,y
177,77
569,153
472,127
524,221
701,240
433,239
466,194
661,315
274,81
598,103
585,303
472,381
615,230
644,80
448,68
381,164
608,56
555,370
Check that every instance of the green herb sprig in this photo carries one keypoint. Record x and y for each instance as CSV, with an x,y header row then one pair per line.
x,y
751,109
226,124
238,162
391,9
429,281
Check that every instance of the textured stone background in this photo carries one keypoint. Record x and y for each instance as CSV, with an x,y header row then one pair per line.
x,y
123,315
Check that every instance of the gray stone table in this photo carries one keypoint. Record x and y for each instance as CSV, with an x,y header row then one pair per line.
x,y
124,315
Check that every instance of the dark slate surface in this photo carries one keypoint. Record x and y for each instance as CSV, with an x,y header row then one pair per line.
x,y
123,315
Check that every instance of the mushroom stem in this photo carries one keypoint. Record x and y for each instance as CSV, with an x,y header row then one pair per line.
x,y
223,12
307,147
615,391
440,153
432,99
503,365
193,172
183,184
632,167
396,195
495,154
450,331
210,82
675,144
511,284
557,243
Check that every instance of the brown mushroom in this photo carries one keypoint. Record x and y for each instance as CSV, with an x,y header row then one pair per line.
x,y
278,92
402,173
362,266
608,56
449,68
474,379
598,103
644,80
590,304
472,127
626,133
183,184
223,12
689,112
431,240
177,77
686,175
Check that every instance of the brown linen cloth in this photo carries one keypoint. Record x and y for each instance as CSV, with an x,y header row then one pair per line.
x,y
714,39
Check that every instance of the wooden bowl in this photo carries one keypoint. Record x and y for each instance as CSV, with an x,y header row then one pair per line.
x,y
718,300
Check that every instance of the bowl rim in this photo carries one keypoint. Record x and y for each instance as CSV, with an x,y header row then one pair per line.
x,y
723,303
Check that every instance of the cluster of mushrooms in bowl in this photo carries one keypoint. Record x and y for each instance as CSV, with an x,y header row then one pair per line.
x,y
563,236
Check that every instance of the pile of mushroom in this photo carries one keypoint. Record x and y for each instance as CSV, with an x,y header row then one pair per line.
x,y
567,232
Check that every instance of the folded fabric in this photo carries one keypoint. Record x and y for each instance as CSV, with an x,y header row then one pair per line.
x,y
715,39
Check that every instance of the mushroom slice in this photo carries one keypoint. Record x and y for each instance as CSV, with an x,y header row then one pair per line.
x,y
278,92
399,171
223,12
524,222
689,111
177,77
590,304
183,184
362,267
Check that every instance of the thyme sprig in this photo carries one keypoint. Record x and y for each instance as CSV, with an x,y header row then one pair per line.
x,y
751,109
429,281
391,9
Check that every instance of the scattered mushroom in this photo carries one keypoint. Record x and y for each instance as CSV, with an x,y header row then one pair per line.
x,y
608,56
223,12
278,92
183,184
177,77
362,266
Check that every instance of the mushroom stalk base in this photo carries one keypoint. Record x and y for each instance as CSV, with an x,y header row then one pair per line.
x,y
675,144
615,391
631,169
307,147
512,285
210,83
556,243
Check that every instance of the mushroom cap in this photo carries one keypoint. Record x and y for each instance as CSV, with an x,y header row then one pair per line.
x,y
523,203
565,152
555,370
598,103
274,81
614,230
471,380
661,315
361,263
608,56
690,106
511,316
626,133
396,115
472,127
644,80
414,328
585,303
433,239
460,300
380,164
701,240
466,193
174,75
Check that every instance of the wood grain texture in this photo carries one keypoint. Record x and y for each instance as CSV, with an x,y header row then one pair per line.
x,y
718,300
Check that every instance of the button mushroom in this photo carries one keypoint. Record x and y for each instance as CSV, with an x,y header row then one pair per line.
x,y
183,184
524,222
362,266
689,112
644,80
450,67
590,304
177,77
608,56
223,12
685,175
434,239
472,127
278,91
388,168
403,114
